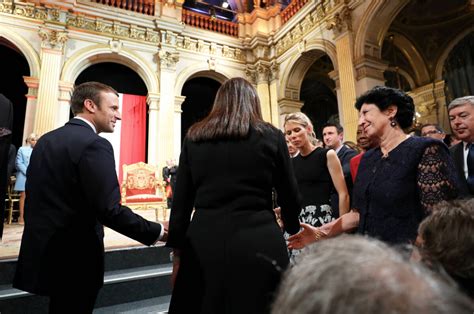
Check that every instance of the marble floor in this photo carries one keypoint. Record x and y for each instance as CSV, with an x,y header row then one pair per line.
x,y
10,244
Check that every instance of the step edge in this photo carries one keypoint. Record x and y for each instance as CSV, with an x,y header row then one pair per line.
x,y
10,293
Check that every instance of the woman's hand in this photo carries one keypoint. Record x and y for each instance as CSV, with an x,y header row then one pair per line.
x,y
307,235
277,212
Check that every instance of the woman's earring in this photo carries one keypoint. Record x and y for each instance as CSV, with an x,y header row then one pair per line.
x,y
393,123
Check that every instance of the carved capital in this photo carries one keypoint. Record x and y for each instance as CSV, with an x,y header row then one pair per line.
x,y
168,59
52,38
274,71
251,74
341,21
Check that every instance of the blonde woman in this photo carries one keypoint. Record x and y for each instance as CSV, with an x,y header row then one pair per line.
x,y
21,163
317,171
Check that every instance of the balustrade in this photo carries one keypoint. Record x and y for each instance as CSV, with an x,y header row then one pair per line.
x,y
291,9
140,6
210,23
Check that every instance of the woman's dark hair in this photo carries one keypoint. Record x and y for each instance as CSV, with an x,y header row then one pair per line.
x,y
383,97
236,109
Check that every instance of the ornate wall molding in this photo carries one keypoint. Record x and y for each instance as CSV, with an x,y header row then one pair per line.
x,y
168,59
53,39
340,21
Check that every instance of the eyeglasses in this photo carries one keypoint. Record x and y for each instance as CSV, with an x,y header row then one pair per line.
x,y
430,132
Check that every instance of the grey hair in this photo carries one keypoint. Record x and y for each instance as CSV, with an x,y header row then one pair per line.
x,y
466,100
353,274
303,120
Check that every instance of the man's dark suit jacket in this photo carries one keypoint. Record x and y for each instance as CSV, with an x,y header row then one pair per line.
x,y
345,155
72,190
458,158
6,125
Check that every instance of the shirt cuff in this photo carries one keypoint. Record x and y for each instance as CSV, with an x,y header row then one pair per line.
x,y
162,232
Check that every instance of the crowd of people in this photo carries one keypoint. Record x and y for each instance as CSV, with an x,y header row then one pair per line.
x,y
265,221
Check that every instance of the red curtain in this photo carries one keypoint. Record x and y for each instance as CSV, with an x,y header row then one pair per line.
x,y
133,133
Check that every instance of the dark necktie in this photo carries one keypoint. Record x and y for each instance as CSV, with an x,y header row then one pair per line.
x,y
470,168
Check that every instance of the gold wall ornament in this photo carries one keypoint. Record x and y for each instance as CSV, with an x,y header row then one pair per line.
x,y
212,63
52,38
54,14
251,73
168,58
6,7
28,10
274,71
341,21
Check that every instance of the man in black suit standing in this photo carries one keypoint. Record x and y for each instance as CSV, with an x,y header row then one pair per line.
x,y
6,125
72,191
333,137
461,117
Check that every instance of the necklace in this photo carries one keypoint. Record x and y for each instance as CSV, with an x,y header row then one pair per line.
x,y
397,142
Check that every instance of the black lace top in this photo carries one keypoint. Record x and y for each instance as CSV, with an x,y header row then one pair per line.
x,y
393,194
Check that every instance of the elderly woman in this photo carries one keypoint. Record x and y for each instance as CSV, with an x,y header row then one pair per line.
x,y
399,182
21,163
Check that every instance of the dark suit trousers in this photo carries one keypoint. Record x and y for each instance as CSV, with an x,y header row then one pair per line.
x,y
75,301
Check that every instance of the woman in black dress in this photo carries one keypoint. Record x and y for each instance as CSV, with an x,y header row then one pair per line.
x,y
399,182
229,257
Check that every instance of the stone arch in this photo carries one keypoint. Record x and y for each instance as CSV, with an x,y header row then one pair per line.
x,y
26,49
442,59
373,26
86,57
198,70
418,64
293,76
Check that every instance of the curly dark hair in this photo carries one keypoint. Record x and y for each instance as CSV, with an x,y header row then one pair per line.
x,y
383,97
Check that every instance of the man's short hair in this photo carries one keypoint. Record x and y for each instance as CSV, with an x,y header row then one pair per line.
x,y
338,127
436,126
461,101
88,90
355,274
448,241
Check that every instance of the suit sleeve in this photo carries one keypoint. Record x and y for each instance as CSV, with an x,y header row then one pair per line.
x,y
183,202
102,192
286,187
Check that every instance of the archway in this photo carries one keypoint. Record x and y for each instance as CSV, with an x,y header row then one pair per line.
x,y
458,70
130,137
12,85
318,94
200,93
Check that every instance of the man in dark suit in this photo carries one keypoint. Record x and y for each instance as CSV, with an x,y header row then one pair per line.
x,y
461,117
72,191
333,137
6,125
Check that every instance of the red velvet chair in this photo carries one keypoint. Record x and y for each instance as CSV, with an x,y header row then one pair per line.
x,y
142,189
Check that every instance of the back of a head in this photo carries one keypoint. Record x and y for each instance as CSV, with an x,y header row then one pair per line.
x,y
448,241
236,108
353,274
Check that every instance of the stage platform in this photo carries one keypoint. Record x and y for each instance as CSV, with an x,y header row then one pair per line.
x,y
10,245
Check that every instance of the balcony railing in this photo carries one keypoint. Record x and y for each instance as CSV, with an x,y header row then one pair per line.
x,y
140,6
291,9
210,23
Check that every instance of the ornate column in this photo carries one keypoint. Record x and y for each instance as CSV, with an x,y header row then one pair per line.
x,y
168,60
64,108
430,104
178,101
341,24
51,60
258,75
32,83
369,73
273,89
153,101
288,106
